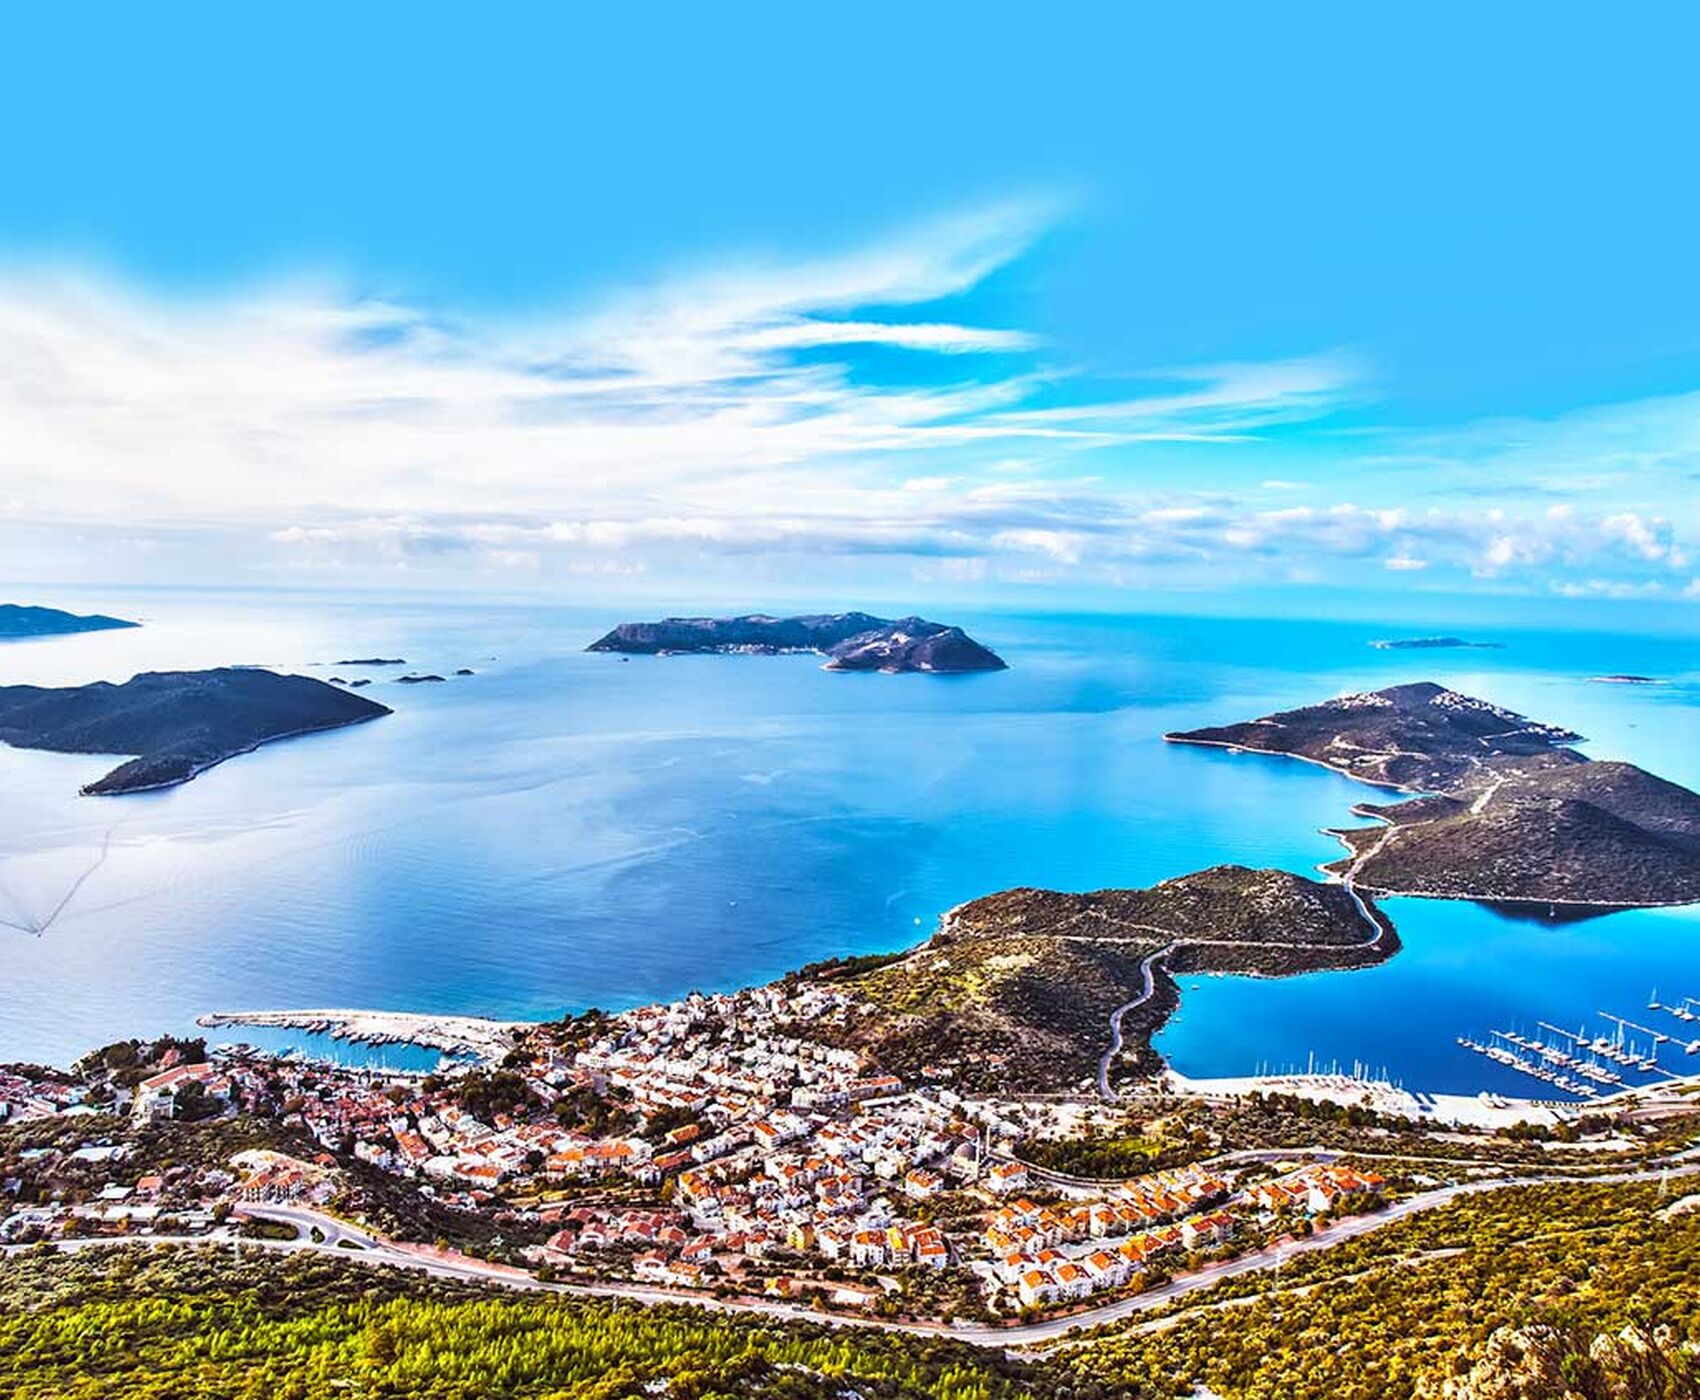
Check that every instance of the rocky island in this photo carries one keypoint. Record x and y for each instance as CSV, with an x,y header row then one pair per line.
x,y
1507,812
178,723
17,620
1036,990
1434,644
853,641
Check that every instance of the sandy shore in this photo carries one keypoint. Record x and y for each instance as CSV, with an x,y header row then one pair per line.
x,y
1461,1110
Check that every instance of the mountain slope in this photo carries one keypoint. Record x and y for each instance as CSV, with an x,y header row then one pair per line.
x,y
22,621
853,641
178,723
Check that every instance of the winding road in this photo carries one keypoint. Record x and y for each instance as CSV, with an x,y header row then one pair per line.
x,y
1148,974
1148,968
347,1241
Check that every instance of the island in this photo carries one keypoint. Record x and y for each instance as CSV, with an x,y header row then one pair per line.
x,y
1041,991
1434,644
418,679
177,723
1505,810
375,661
1625,680
17,620
853,641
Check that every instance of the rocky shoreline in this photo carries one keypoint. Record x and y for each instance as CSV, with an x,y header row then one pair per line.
x,y
1502,810
851,641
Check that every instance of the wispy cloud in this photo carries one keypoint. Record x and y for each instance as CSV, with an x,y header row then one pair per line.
x,y
689,400
842,407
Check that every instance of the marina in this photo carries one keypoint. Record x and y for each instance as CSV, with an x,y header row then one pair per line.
x,y
458,1037
1684,1010
1588,1065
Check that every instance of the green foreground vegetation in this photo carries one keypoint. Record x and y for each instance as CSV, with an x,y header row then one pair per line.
x,y
1556,1292
1419,1308
179,1323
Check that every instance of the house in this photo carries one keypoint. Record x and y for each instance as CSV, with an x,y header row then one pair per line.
x,y
1036,1287
931,1251
156,1096
1207,1231
1005,1177
1330,1186
1105,1270
920,1184
868,1247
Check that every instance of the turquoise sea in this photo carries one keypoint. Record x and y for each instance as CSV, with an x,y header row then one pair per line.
x,y
563,830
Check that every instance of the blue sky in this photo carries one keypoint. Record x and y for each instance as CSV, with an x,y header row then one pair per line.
x,y
883,301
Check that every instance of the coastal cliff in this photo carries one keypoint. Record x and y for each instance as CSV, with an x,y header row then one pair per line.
x,y
177,723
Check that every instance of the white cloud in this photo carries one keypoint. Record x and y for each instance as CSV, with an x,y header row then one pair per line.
x,y
680,415
728,415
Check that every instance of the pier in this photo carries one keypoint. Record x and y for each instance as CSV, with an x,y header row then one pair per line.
x,y
1688,1009
1580,1064
472,1036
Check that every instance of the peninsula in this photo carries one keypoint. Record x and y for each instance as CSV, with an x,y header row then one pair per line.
x,y
1508,812
177,723
853,641
1032,990
21,621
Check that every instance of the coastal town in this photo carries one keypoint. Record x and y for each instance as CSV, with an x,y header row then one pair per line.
x,y
908,1138
694,1144
701,1144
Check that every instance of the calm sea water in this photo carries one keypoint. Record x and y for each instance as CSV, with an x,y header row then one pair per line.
x,y
563,830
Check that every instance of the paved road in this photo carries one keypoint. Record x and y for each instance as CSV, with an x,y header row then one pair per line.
x,y
365,1247
1148,974
1147,969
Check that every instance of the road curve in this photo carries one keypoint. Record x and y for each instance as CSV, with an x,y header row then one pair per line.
x,y
364,1247
1148,975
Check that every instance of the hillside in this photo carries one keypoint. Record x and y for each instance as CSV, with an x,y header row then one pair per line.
x,y
1421,736
1016,989
17,620
141,1322
177,723
1509,812
913,645
853,641
1553,1292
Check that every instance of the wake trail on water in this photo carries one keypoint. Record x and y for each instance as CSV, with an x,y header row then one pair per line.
x,y
37,927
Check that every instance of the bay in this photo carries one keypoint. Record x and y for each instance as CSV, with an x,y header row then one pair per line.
x,y
563,829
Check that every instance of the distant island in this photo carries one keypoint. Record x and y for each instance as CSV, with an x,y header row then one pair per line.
x,y
375,661
1434,644
17,620
1625,680
1508,811
853,641
1034,990
178,723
